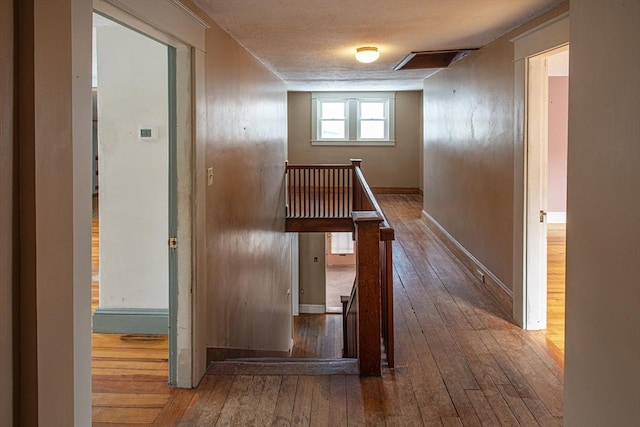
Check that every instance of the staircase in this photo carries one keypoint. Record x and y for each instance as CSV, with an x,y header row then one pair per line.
x,y
333,198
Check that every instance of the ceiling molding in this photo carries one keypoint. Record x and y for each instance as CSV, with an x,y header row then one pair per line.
x,y
190,13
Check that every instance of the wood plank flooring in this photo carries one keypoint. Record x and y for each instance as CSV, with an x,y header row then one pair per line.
x,y
129,372
556,256
459,361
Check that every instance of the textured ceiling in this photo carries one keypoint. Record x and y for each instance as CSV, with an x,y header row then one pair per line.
x,y
311,44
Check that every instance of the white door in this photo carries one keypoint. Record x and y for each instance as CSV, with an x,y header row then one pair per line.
x,y
536,188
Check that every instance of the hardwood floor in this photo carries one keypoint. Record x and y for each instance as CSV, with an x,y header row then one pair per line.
x,y
129,372
556,256
459,361
318,336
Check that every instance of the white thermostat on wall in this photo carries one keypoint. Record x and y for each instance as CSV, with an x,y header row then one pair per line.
x,y
147,133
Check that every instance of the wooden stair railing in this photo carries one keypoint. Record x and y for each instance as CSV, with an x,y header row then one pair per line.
x,y
325,198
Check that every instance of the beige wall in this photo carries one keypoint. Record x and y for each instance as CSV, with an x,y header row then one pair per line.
x,y
248,253
602,377
312,273
134,186
468,151
7,218
397,166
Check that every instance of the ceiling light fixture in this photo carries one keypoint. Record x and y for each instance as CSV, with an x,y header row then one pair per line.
x,y
367,54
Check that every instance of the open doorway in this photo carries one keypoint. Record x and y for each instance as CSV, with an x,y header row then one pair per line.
x,y
340,269
318,324
558,111
546,171
132,267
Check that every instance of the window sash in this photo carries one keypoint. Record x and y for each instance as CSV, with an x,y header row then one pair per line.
x,y
321,120
383,119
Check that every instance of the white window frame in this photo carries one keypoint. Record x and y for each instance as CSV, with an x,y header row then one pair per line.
x,y
352,102
318,118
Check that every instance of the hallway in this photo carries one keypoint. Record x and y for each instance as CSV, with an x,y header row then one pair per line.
x,y
459,360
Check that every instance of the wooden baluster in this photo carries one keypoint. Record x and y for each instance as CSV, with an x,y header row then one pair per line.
x,y
287,184
333,192
340,195
295,191
323,210
388,262
308,194
386,281
315,192
346,197
367,228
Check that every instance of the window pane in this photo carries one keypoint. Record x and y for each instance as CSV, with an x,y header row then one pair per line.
x,y
332,129
372,129
332,110
372,110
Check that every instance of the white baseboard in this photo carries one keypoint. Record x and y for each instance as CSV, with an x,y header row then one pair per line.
x,y
556,217
499,290
313,308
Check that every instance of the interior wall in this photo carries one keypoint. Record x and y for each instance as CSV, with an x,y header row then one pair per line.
x,y
54,231
132,92
384,166
312,269
469,137
602,376
558,141
248,252
7,217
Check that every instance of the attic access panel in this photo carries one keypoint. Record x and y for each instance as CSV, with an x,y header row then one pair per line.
x,y
431,59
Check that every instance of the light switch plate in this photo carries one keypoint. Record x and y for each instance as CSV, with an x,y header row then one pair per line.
x,y
210,176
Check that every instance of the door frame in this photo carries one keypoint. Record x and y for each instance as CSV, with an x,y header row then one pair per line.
x,y
184,32
536,197
529,299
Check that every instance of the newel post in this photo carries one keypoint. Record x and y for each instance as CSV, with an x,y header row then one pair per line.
x,y
367,229
356,189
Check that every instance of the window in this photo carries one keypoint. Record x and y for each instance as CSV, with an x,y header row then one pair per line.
x,y
342,118
333,119
341,243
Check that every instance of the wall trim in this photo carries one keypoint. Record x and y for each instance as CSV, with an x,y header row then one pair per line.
x,y
502,294
313,308
556,217
154,321
395,190
216,354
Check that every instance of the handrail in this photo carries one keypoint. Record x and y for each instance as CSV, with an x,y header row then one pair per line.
x,y
386,232
350,323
